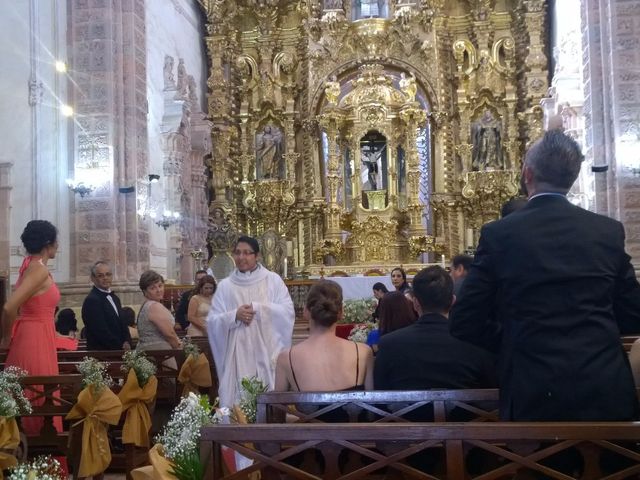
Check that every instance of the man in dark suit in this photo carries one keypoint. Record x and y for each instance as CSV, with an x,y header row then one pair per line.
x,y
102,313
424,355
551,289
183,305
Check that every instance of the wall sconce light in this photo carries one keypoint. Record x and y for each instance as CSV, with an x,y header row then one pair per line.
x,y
167,218
154,178
130,189
80,187
599,168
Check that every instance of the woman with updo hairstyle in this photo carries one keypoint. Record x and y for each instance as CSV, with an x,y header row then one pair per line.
x,y
30,334
324,362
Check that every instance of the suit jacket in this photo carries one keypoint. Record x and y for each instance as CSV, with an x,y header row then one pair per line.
x,y
424,355
105,330
551,289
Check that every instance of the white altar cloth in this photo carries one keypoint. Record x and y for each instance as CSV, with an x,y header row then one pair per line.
x,y
360,287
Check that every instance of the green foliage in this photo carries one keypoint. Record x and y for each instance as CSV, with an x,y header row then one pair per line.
x,y
143,367
94,374
187,466
251,388
358,311
12,399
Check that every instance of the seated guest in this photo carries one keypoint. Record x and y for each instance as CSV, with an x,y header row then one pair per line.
x,y
396,311
424,355
183,305
66,324
66,330
460,265
102,313
399,279
129,317
199,306
379,290
324,362
155,322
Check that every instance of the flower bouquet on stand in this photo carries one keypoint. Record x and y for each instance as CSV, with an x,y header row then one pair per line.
x,y
97,407
12,403
360,332
176,453
196,370
358,311
138,392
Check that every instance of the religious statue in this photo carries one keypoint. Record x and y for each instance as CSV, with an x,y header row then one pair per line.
x,y
182,79
269,151
408,86
169,81
193,92
370,160
332,90
487,144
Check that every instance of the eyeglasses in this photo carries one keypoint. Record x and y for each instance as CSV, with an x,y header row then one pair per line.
x,y
240,253
104,275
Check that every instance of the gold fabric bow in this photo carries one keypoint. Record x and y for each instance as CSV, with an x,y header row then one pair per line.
x,y
135,401
159,468
9,441
195,373
96,413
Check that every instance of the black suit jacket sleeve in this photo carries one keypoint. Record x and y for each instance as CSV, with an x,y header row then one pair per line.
x,y
473,317
97,323
183,307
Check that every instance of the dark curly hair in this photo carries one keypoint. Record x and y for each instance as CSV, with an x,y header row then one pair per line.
x,y
66,321
37,235
324,302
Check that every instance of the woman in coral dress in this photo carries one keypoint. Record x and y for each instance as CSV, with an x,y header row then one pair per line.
x,y
28,328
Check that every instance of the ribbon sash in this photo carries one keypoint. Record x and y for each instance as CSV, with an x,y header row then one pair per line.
x,y
9,441
96,413
135,401
195,373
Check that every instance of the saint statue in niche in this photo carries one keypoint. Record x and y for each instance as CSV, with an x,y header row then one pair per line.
x,y
332,90
487,143
408,86
269,152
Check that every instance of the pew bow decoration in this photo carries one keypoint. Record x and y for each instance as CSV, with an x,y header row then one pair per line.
x,y
138,392
159,469
97,407
13,402
195,371
135,401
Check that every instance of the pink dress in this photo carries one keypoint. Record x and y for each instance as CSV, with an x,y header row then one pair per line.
x,y
33,344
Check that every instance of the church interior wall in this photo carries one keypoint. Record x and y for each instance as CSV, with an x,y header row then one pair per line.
x,y
175,29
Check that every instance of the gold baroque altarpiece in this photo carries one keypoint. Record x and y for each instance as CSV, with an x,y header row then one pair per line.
x,y
352,135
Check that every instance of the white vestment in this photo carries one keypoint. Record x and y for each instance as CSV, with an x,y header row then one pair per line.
x,y
241,350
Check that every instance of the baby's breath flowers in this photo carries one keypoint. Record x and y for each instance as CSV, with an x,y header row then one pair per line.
x,y
40,468
189,347
360,332
144,368
181,434
94,373
358,311
12,399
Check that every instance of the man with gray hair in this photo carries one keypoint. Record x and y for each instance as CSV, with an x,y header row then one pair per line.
x,y
102,313
551,290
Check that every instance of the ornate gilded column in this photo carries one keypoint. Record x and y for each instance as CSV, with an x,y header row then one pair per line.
x,y
413,117
331,122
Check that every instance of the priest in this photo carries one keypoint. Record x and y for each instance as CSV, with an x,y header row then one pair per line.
x,y
250,322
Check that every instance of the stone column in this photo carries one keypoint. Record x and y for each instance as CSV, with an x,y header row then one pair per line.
x,y
108,61
331,124
611,75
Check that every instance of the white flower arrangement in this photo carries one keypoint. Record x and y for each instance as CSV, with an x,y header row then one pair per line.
x,y
144,368
94,373
251,388
12,399
40,468
358,311
181,434
360,332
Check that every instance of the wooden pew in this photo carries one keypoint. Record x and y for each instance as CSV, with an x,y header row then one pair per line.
x,y
273,448
378,406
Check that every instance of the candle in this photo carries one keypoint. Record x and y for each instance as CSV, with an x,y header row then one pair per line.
x,y
444,265
286,261
469,238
